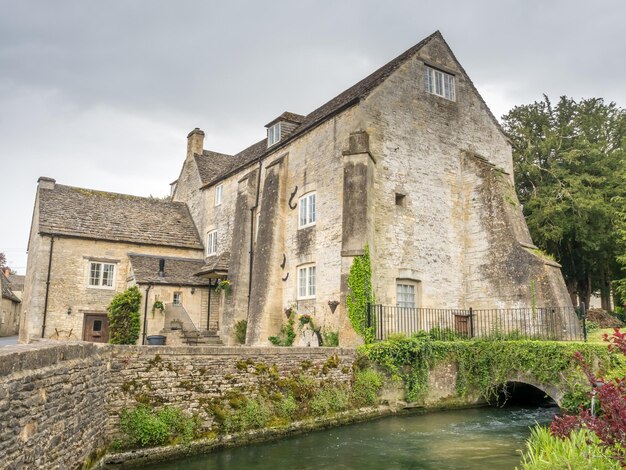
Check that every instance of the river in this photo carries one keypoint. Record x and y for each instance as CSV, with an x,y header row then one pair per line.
x,y
483,438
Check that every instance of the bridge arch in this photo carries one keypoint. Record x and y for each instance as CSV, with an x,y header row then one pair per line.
x,y
523,388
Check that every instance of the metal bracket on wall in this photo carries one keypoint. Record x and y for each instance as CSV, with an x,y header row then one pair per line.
x,y
286,277
282,265
293,194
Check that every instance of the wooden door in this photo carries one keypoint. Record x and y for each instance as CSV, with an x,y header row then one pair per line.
x,y
96,328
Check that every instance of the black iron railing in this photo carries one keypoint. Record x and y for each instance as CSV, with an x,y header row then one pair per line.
x,y
547,323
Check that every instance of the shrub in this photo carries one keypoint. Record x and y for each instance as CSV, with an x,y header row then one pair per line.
x,y
252,414
366,387
287,334
330,339
147,427
124,317
582,450
331,398
287,407
241,328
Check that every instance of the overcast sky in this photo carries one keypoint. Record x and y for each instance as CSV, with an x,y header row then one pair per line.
x,y
102,94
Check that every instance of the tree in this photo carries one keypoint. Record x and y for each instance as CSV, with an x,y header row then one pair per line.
x,y
3,260
570,177
124,317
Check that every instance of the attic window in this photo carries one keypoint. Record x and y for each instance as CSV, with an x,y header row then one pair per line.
x,y
273,134
439,83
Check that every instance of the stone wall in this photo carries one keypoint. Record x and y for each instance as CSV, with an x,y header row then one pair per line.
x,y
52,404
189,377
60,402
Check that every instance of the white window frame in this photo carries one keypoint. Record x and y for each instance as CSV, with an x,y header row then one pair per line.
x,y
408,293
219,193
178,294
211,243
307,210
100,270
307,275
273,134
439,83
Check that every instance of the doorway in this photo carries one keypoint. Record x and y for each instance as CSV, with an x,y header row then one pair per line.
x,y
96,328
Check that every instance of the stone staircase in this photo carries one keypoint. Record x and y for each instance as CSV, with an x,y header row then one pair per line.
x,y
190,334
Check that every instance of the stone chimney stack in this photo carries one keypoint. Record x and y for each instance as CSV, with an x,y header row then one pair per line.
x,y
46,183
195,142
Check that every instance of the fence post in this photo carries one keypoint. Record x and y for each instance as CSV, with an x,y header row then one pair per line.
x,y
583,314
471,319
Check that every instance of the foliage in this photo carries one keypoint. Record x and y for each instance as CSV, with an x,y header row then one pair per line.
x,y
330,338
144,426
360,295
157,305
241,328
569,165
330,399
366,387
224,285
582,450
608,423
287,334
252,414
484,366
3,260
124,317
592,326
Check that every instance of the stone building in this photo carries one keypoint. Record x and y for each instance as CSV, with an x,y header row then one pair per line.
x,y
409,161
10,302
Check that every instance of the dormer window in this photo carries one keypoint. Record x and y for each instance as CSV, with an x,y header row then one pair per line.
x,y
273,134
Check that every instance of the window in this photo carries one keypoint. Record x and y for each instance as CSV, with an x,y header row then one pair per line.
x,y
177,298
218,194
101,275
97,325
307,210
273,134
306,282
211,243
439,83
405,295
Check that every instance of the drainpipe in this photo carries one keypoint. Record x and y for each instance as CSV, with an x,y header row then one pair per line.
x,y
252,221
145,315
208,313
45,303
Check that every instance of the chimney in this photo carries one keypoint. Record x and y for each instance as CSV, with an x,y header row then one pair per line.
x,y
195,142
162,267
46,183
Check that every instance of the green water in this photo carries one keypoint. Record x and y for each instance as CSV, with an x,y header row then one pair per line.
x,y
484,438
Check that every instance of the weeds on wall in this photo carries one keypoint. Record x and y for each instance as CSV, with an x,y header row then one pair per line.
x,y
360,295
146,426
124,317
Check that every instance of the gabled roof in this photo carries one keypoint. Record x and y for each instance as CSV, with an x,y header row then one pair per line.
x,y
7,293
17,282
177,272
339,103
287,116
99,215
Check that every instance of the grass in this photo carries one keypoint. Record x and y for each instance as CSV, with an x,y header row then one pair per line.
x,y
596,336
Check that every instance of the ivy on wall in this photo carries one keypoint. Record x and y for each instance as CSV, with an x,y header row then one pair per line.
x,y
124,317
360,285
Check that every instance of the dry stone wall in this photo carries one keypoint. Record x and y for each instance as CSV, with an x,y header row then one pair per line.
x,y
60,402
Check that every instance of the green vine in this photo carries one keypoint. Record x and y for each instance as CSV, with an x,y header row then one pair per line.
x,y
124,317
360,285
484,366
287,334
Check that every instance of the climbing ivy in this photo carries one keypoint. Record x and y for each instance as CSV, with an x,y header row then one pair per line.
x,y
360,285
484,366
124,317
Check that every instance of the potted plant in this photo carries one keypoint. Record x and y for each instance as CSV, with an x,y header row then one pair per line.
x,y
224,285
157,305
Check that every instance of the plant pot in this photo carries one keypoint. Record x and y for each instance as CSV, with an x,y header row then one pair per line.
x,y
156,340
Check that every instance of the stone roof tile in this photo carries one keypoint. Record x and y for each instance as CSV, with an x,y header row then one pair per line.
x,y
178,271
100,215
7,293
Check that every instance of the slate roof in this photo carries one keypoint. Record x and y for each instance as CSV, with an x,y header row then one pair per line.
x,y
288,116
339,103
7,293
17,282
99,215
178,271
216,266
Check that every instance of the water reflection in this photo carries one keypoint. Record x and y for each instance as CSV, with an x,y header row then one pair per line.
x,y
485,438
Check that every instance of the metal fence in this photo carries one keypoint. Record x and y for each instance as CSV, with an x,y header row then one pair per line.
x,y
547,323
